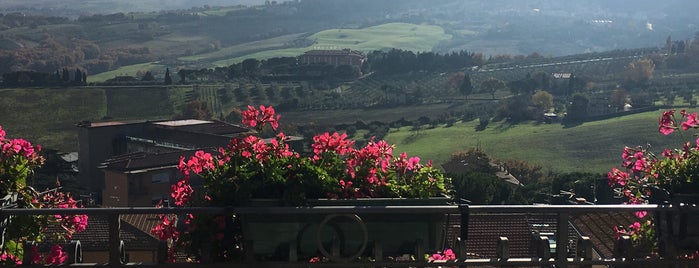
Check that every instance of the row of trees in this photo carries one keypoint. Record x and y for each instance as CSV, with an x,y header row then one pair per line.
x,y
394,61
398,61
63,77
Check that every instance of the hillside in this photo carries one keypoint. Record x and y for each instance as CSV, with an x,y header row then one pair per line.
x,y
217,35
588,147
50,122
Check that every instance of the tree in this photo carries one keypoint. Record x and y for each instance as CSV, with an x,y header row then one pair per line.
x,y
639,72
466,87
65,75
542,100
250,67
183,75
619,98
577,108
492,85
78,76
168,79
525,172
541,81
148,76
196,109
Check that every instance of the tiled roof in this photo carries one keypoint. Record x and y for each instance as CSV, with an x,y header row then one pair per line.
x,y
214,127
96,235
142,222
341,52
142,160
600,228
485,229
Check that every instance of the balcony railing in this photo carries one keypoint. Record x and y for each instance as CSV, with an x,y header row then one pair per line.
x,y
583,256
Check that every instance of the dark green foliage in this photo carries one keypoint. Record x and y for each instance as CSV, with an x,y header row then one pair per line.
x,y
516,109
482,188
148,76
168,78
483,122
577,109
466,88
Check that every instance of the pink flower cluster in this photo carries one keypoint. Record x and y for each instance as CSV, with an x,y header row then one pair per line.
x,y
335,143
643,172
18,159
630,230
70,223
447,255
668,123
258,118
56,255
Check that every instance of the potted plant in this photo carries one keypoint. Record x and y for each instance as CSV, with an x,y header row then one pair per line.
x,y
671,178
252,171
18,160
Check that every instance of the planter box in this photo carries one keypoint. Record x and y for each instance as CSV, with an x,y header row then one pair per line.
x,y
354,235
678,231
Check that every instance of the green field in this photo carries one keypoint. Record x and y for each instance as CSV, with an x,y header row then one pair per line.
x,y
590,147
404,36
243,49
130,70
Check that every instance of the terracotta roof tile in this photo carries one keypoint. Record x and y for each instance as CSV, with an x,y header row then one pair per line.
x,y
600,228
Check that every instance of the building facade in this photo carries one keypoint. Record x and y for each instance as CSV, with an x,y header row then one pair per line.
x,y
333,57
142,149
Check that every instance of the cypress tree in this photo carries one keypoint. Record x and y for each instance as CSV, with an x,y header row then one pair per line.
x,y
168,79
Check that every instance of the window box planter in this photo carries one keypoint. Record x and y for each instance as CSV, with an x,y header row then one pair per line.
x,y
344,237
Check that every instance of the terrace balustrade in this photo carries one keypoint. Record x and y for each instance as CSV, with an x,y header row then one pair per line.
x,y
582,257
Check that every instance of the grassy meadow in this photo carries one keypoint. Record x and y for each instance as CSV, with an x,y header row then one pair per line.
x,y
590,147
130,71
404,36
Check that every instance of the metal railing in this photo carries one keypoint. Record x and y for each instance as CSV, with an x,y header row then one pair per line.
x,y
582,258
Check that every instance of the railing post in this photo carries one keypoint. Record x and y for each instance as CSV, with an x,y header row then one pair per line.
x,y
293,251
28,252
378,251
665,230
623,248
503,249
162,252
543,248
114,240
584,250
562,240
419,250
463,234
248,250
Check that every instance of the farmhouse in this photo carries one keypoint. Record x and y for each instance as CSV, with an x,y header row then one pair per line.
x,y
333,57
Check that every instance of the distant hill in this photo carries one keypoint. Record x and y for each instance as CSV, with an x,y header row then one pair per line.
x,y
101,35
74,8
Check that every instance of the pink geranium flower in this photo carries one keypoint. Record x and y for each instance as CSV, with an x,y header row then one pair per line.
x,y
56,255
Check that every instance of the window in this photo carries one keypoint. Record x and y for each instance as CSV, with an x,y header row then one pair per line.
x,y
160,178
